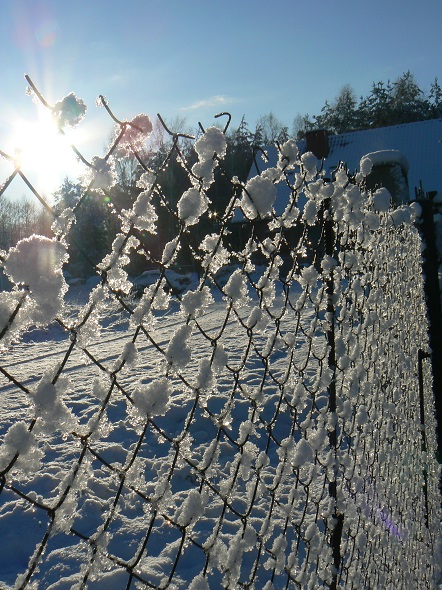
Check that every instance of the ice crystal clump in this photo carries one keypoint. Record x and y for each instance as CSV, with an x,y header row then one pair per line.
x,y
20,441
136,132
211,145
178,353
366,166
199,583
36,263
205,378
50,407
258,197
13,316
310,163
152,399
170,251
69,111
143,214
289,154
194,303
310,212
191,510
381,200
101,175
212,142
63,222
191,206
236,288
216,255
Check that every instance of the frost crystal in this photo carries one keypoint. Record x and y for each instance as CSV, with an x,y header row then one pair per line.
x,y
258,197
310,213
199,583
152,399
170,251
205,378
309,276
50,407
102,174
216,255
191,510
366,166
191,206
62,223
236,287
69,111
289,154
129,354
310,163
36,262
137,131
143,214
303,453
178,353
381,200
193,303
19,440
212,142
220,359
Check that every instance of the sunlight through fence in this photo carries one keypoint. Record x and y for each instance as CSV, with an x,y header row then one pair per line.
x,y
255,410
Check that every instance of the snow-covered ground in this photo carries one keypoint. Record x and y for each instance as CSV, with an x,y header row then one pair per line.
x,y
167,470
220,418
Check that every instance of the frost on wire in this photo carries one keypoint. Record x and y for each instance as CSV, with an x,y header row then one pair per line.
x,y
259,427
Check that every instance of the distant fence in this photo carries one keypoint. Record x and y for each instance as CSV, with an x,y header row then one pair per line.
x,y
268,425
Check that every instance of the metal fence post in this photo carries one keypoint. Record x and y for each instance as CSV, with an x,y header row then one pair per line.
x,y
329,248
430,269
421,356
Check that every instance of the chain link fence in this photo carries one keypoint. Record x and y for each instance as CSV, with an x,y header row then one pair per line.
x,y
264,421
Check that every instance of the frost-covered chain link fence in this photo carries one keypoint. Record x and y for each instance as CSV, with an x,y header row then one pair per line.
x,y
269,424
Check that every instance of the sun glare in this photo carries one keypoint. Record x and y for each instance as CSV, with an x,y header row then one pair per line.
x,y
42,153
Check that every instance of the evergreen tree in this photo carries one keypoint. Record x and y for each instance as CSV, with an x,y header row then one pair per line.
x,y
407,101
376,107
340,116
239,151
435,102
91,235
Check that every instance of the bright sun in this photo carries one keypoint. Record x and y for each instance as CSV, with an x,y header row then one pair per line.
x,y
42,153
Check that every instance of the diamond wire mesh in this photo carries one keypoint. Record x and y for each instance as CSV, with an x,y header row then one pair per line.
x,y
259,429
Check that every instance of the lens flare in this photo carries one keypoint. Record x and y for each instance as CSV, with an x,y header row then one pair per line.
x,y
47,33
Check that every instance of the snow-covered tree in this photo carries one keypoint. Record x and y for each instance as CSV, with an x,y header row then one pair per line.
x,y
408,103
435,100
341,115
91,234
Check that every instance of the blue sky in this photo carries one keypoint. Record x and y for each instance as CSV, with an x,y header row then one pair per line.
x,y
195,58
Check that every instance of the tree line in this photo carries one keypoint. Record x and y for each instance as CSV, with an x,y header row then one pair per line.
x,y
20,218
387,103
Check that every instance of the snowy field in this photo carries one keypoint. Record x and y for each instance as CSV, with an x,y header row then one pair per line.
x,y
188,441
209,432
